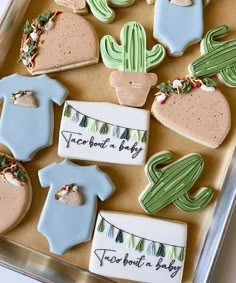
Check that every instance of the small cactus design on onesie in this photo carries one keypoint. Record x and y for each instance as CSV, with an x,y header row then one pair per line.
x,y
132,60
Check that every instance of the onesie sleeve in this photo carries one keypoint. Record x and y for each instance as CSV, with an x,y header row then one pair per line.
x,y
3,82
104,186
57,92
45,175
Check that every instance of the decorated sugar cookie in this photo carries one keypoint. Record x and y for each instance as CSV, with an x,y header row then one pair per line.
x,y
50,43
193,108
133,61
137,247
26,123
172,183
178,24
104,132
78,6
179,2
99,8
15,193
68,215
218,58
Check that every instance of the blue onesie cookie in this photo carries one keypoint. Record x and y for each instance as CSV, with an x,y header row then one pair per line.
x,y
26,124
69,212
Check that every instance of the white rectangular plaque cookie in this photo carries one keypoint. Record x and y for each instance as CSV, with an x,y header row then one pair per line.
x,y
139,248
106,132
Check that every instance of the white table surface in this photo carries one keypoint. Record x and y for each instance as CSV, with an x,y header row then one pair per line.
x,y
225,271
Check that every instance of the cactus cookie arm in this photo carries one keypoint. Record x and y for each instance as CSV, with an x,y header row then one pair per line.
x,y
191,204
208,43
161,158
155,56
101,10
111,53
229,76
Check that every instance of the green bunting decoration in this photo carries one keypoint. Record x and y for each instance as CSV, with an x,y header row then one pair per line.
x,y
100,227
129,239
129,242
161,250
83,122
171,252
119,237
92,127
125,134
140,245
144,137
67,111
104,129
181,255
135,136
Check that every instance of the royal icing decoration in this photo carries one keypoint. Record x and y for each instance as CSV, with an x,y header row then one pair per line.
x,y
78,6
133,61
172,183
183,86
218,58
104,132
68,222
24,98
178,26
32,32
99,8
51,43
69,194
182,3
193,108
25,130
15,193
139,248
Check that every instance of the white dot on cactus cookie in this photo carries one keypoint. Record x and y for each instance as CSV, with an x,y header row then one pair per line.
x,y
207,88
177,83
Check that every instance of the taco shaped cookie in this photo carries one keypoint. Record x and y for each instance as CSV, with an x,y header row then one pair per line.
x,y
15,193
193,108
57,41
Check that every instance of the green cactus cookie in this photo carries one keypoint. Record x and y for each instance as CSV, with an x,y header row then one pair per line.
x,y
132,55
102,11
172,183
219,58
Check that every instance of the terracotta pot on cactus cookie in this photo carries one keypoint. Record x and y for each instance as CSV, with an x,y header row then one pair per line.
x,y
132,88
133,61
